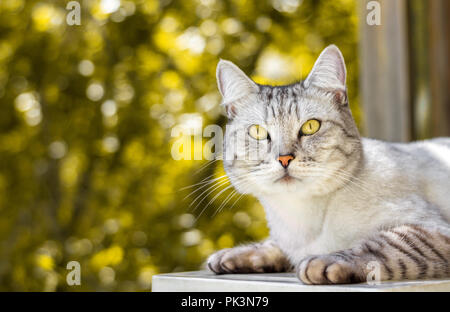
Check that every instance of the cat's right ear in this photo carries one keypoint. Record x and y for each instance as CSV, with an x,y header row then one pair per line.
x,y
233,85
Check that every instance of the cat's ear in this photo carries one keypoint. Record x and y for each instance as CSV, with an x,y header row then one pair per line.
x,y
329,72
233,84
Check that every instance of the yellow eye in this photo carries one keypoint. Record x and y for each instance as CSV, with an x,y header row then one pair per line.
x,y
310,127
257,132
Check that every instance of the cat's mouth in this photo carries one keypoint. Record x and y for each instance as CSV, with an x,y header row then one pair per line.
x,y
287,179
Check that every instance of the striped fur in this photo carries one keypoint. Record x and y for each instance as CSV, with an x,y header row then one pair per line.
x,y
404,252
349,202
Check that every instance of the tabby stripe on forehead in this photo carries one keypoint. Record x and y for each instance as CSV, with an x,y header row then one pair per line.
x,y
270,94
280,98
294,94
273,111
290,107
422,266
284,96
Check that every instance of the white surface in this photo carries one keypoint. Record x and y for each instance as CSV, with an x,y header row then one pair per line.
x,y
201,281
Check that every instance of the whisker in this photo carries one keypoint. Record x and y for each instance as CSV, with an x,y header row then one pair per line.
x,y
237,201
199,183
203,167
329,173
229,197
213,199
240,182
214,187
205,185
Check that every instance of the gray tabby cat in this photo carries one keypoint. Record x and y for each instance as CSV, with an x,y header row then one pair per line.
x,y
334,202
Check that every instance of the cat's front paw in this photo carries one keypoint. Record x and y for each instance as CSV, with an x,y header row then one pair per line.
x,y
329,269
248,259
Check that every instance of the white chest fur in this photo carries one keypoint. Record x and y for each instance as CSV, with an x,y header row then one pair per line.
x,y
296,224
307,226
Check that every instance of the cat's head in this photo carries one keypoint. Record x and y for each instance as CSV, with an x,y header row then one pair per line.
x,y
294,138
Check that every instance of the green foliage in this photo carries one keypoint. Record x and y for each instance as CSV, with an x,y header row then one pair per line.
x,y
86,172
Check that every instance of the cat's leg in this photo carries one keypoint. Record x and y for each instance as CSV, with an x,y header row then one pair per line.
x,y
404,252
254,258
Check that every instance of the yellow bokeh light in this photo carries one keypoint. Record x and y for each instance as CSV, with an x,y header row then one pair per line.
x,y
45,262
170,79
42,16
225,241
107,257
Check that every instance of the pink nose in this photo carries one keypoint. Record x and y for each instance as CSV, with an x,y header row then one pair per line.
x,y
285,160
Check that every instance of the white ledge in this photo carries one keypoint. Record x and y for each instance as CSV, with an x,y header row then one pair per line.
x,y
202,281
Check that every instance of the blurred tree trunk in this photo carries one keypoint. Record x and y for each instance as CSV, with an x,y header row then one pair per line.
x,y
439,14
420,68
384,72
405,72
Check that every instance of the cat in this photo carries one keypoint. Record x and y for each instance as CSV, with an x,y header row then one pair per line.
x,y
335,203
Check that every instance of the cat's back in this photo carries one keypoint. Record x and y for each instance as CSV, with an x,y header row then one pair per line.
x,y
418,168
434,153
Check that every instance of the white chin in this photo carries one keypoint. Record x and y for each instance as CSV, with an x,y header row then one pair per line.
x,y
282,186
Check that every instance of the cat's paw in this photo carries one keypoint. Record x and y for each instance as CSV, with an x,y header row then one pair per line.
x,y
329,269
248,259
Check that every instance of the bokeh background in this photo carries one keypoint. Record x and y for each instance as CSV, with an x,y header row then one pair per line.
x,y
86,172
86,119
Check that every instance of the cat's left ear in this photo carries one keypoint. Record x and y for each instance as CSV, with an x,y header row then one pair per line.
x,y
329,72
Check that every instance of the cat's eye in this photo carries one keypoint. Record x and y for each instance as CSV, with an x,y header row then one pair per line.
x,y
310,127
257,132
